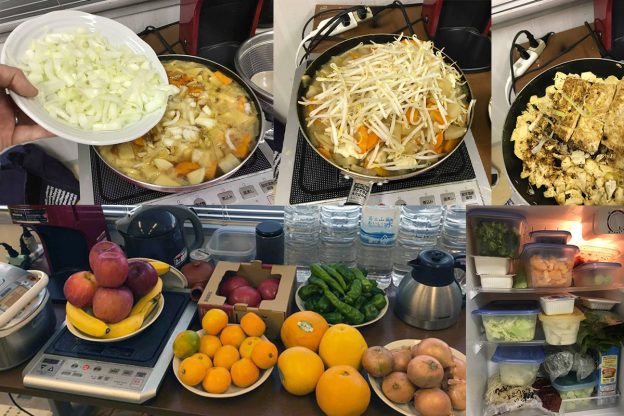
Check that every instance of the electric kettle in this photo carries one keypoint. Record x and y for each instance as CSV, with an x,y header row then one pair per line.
x,y
430,298
157,232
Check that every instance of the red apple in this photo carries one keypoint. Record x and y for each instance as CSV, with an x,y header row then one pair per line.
x,y
112,305
244,294
111,269
79,289
101,247
228,284
268,288
141,277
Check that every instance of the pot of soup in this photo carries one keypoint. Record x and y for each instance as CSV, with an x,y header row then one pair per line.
x,y
211,127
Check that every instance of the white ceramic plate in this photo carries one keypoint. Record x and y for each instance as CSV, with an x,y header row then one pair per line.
x,y
233,391
406,409
382,312
63,21
151,318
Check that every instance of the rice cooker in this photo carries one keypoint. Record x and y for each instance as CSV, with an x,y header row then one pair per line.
x,y
27,318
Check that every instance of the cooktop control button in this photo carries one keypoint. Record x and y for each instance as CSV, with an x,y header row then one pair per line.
x,y
468,196
427,200
248,192
227,197
448,198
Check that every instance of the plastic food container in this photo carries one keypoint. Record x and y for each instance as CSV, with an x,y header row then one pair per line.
x,y
569,388
509,321
518,366
496,233
593,254
550,236
597,274
236,244
492,265
548,265
557,304
492,281
598,303
561,329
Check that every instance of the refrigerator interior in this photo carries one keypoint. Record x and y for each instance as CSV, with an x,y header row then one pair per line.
x,y
588,226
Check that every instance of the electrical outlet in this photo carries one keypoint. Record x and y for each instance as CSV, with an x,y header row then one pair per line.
x,y
348,22
364,15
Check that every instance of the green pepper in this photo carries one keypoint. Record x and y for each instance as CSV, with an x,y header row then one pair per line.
x,y
352,315
310,304
357,273
333,317
333,273
355,291
367,284
345,272
379,301
359,302
319,272
318,282
377,290
309,290
324,305
370,312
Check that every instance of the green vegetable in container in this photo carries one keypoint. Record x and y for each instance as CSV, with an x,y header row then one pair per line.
x,y
324,305
359,302
370,312
496,238
310,304
318,282
333,317
346,273
353,316
308,291
509,327
355,291
378,301
333,273
318,271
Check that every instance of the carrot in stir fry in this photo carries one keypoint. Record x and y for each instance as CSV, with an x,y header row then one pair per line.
x,y
185,167
223,78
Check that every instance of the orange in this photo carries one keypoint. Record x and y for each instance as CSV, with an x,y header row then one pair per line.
x,y
232,335
303,329
342,344
342,391
217,380
214,321
247,346
253,325
299,369
226,356
204,359
209,344
244,373
192,371
186,343
264,354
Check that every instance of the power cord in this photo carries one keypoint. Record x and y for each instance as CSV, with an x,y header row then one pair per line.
x,y
533,43
551,60
18,406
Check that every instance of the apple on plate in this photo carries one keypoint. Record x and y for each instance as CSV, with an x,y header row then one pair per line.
x,y
112,304
111,269
99,248
80,288
142,277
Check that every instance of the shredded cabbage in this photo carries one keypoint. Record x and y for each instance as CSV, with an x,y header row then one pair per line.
x,y
86,82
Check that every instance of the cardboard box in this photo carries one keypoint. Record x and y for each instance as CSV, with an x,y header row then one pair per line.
x,y
273,312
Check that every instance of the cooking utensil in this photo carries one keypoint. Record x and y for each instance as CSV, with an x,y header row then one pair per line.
x,y
362,184
27,316
157,232
602,68
431,299
261,132
254,64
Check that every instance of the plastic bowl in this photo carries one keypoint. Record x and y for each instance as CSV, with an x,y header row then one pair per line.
x,y
562,329
231,243
597,274
509,321
518,366
496,233
548,265
557,304
492,265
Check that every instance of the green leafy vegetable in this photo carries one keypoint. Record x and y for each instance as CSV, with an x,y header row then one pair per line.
x,y
497,239
509,327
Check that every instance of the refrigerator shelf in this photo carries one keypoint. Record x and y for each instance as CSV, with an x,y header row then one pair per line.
x,y
591,406
544,290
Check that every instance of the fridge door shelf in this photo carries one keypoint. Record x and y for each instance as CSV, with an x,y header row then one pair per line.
x,y
595,405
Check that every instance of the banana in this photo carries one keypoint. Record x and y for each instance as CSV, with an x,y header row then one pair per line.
x,y
86,323
161,268
132,322
149,296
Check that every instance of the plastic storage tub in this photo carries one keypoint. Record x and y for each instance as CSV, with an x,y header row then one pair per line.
x,y
518,366
550,236
598,303
493,281
570,388
509,321
492,265
557,304
548,265
562,329
236,244
496,233
597,274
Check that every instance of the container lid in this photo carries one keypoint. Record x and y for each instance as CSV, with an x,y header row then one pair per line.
x,y
269,229
577,315
496,276
564,297
434,268
519,354
199,255
569,382
600,300
151,223
232,241
566,249
598,266
550,234
509,307
494,215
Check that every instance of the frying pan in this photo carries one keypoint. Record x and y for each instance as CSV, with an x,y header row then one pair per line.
x,y
213,66
602,68
362,184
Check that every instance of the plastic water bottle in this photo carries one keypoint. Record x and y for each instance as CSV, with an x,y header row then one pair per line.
x,y
339,230
378,232
453,234
301,237
419,228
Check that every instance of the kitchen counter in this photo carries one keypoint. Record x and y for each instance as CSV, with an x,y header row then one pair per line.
x,y
269,399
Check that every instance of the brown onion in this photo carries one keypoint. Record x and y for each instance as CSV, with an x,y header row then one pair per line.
x,y
432,402
457,394
436,348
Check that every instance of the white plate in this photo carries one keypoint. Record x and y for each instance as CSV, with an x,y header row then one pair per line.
x,y
233,391
299,303
117,34
151,318
406,409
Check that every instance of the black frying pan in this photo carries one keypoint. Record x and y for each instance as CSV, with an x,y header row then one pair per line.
x,y
602,68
